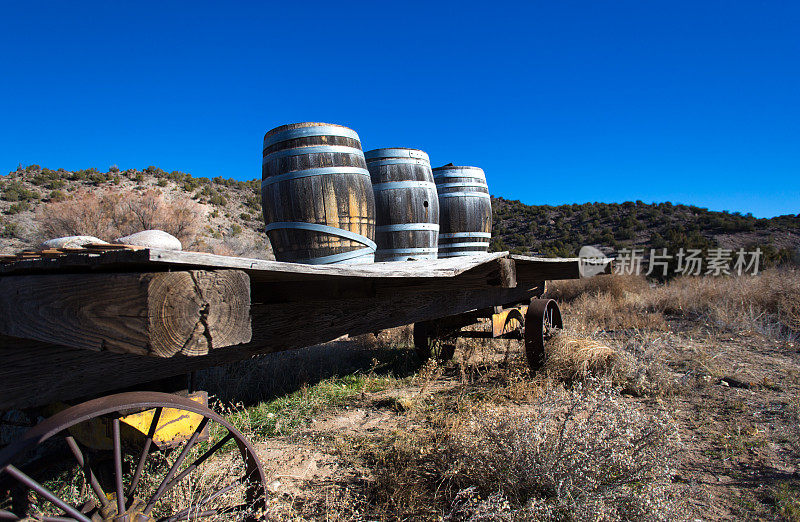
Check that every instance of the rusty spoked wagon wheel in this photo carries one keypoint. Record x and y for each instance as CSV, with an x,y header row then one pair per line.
x,y
431,342
542,320
118,443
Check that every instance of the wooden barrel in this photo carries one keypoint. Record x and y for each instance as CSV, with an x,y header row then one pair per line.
x,y
406,206
317,196
465,211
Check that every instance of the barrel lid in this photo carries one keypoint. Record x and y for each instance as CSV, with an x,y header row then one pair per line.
x,y
452,171
450,166
305,129
396,152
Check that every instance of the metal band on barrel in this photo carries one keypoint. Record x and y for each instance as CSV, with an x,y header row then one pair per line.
x,y
400,254
463,245
416,250
433,227
464,184
462,253
464,194
460,172
313,149
305,132
314,172
487,235
398,161
378,187
355,256
389,259
397,153
314,227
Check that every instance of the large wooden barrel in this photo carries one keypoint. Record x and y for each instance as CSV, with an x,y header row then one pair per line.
x,y
465,211
317,196
406,206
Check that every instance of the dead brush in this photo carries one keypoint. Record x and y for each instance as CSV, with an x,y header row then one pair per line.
x,y
574,358
768,303
615,285
635,363
578,453
613,310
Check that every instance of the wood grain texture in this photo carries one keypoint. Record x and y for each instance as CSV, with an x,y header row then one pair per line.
x,y
342,200
158,314
35,373
469,212
399,203
540,268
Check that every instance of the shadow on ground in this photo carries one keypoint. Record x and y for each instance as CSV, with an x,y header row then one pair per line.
x,y
267,377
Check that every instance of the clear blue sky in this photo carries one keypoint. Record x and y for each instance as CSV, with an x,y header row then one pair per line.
x,y
559,101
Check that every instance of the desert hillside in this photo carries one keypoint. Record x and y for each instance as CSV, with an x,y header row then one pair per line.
x,y
224,216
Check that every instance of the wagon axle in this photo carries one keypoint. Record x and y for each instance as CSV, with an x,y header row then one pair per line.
x,y
537,322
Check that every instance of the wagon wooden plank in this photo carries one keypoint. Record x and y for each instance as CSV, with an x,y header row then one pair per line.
x,y
159,314
35,373
131,260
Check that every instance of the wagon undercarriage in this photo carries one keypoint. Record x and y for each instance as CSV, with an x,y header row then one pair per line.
x,y
82,325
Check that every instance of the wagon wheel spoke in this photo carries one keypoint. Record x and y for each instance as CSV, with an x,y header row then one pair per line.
x,y
118,465
145,450
44,492
97,499
162,488
199,461
87,470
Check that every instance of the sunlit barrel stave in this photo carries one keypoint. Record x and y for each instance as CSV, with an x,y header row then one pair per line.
x,y
406,204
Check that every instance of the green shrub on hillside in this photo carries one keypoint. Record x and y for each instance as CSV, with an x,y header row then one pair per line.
x,y
16,191
16,208
9,230
57,195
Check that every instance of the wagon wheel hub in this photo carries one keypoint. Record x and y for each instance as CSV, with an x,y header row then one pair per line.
x,y
135,513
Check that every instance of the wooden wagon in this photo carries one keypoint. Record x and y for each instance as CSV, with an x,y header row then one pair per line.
x,y
77,326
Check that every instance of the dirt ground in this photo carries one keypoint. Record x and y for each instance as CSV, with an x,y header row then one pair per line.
x,y
733,396
657,402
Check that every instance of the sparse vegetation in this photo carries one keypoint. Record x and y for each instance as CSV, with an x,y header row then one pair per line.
x,y
563,230
109,215
523,229
658,401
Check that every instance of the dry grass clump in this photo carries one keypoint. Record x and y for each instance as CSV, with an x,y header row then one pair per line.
x,y
769,302
580,453
612,302
109,215
574,358
615,285
577,452
636,365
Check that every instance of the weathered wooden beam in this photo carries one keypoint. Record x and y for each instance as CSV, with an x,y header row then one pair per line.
x,y
542,268
34,373
159,314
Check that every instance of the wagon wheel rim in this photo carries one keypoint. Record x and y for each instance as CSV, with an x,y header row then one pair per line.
x,y
513,324
429,343
103,503
542,321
